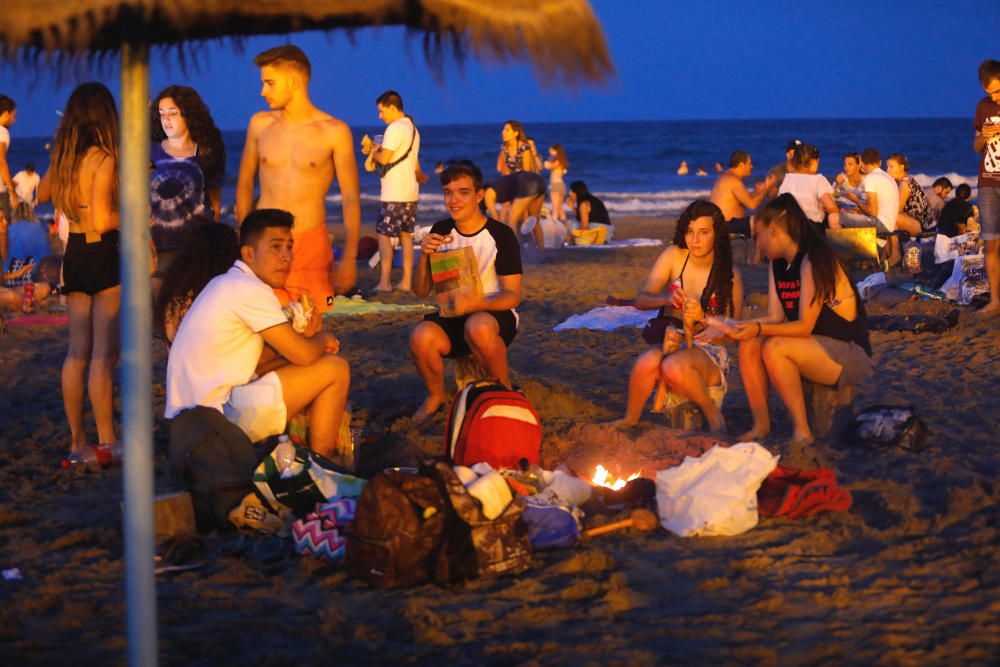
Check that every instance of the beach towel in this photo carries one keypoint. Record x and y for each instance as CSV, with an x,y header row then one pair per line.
x,y
623,243
344,307
796,494
606,318
39,320
716,493
311,267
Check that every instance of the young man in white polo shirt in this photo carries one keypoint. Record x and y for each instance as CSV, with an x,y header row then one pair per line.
x,y
220,348
881,207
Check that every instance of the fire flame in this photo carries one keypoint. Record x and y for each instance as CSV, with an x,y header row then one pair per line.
x,y
603,478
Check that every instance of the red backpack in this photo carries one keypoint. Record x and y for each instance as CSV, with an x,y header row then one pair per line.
x,y
488,422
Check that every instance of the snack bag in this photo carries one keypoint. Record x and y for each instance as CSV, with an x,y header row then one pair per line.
x,y
452,272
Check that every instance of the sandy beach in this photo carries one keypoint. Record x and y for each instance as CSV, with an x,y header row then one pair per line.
x,y
908,576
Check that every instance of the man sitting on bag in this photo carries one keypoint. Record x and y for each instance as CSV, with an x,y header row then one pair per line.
x,y
236,331
482,325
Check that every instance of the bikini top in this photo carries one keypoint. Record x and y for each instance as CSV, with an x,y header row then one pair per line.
x,y
87,229
713,304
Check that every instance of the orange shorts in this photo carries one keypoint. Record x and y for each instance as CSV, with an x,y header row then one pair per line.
x,y
312,265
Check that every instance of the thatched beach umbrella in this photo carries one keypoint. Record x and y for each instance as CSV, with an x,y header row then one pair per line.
x,y
561,38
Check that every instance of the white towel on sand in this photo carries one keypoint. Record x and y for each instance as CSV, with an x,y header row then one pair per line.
x,y
623,243
606,318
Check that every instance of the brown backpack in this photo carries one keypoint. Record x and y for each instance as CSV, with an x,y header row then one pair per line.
x,y
397,535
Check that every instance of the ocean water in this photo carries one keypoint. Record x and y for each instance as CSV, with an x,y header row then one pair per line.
x,y
632,165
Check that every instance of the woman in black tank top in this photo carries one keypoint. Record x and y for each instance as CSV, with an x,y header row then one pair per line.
x,y
815,327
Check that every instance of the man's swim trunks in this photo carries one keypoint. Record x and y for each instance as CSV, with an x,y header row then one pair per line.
x,y
739,226
312,264
395,217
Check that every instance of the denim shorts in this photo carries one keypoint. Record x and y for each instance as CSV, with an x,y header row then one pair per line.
x,y
989,213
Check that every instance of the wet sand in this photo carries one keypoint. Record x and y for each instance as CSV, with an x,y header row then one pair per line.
x,y
909,576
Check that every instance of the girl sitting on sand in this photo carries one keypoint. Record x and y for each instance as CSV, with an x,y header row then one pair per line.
x,y
558,165
83,177
210,251
811,190
815,327
700,280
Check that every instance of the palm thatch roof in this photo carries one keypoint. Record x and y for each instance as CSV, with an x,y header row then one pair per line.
x,y
561,38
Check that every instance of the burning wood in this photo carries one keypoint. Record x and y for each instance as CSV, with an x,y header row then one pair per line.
x,y
603,478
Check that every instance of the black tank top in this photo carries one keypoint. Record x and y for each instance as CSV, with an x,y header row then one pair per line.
x,y
597,211
788,284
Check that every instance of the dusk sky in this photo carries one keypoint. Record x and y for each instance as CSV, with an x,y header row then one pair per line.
x,y
674,60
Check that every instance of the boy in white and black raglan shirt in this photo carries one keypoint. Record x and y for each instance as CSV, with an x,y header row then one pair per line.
x,y
486,324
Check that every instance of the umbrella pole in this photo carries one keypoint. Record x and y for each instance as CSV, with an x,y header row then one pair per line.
x,y
137,330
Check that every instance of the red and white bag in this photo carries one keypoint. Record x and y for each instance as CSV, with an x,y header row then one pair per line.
x,y
488,422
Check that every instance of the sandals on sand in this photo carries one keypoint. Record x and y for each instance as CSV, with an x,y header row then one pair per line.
x,y
180,554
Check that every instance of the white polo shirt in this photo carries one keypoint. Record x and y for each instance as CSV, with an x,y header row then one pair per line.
x,y
883,185
218,344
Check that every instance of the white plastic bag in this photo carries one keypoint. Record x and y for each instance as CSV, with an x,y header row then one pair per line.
x,y
946,248
968,279
716,493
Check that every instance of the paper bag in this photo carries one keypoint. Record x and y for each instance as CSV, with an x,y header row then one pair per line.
x,y
453,272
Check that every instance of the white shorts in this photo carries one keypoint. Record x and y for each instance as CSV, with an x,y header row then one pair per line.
x,y
258,407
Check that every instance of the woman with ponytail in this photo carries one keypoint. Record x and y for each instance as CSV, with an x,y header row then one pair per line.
x,y
815,327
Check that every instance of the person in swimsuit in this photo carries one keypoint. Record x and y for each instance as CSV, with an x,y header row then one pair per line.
x,y
295,151
520,189
700,279
83,183
815,327
558,165
189,167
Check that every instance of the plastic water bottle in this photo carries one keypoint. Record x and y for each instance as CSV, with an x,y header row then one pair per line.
x,y
103,456
911,256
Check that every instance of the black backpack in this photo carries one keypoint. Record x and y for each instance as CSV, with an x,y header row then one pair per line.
x,y
214,460
398,530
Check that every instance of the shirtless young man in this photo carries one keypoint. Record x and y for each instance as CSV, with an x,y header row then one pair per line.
x,y
731,195
298,149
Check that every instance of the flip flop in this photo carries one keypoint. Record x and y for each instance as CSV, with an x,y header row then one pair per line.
x,y
180,555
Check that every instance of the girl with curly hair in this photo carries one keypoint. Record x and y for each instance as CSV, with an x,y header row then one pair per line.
x,y
693,278
189,165
209,252
83,183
